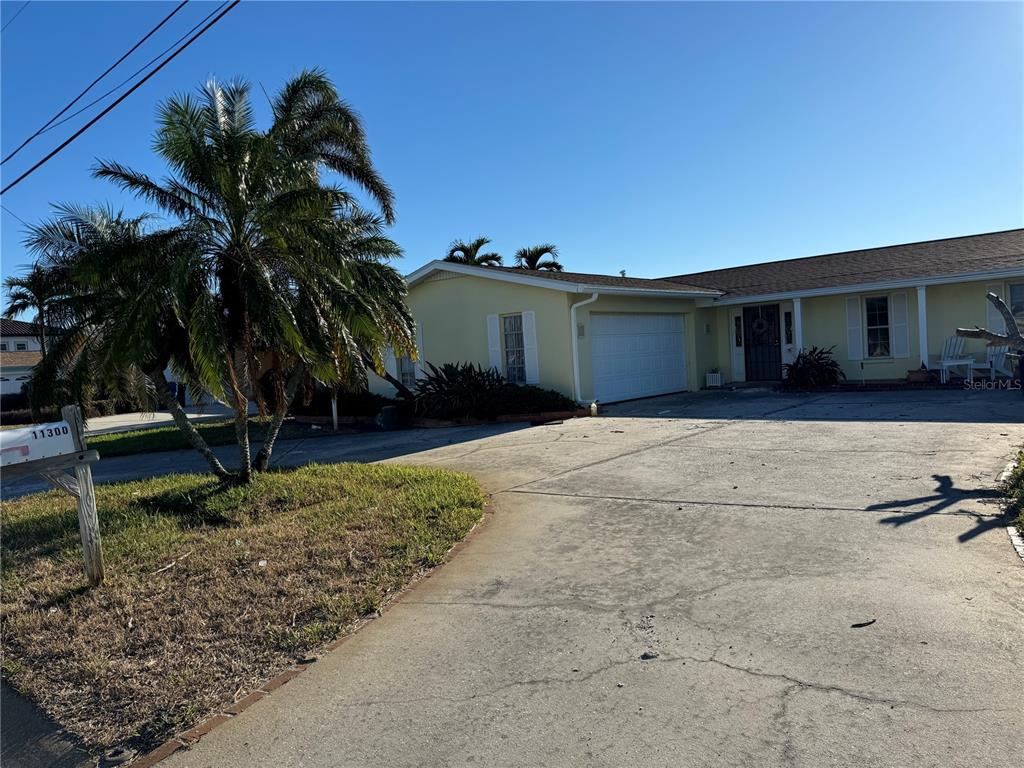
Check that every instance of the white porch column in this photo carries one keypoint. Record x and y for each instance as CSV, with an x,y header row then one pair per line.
x,y
798,325
922,324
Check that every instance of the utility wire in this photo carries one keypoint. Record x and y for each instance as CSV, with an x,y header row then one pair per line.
x,y
11,20
90,85
14,215
133,75
121,98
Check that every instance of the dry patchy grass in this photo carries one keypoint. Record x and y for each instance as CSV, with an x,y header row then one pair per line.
x,y
260,574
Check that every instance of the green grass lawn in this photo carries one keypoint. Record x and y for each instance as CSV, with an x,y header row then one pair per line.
x,y
210,589
170,438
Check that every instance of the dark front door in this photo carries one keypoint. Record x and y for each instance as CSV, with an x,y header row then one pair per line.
x,y
762,343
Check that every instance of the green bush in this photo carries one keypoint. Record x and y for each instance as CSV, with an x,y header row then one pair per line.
x,y
465,390
363,403
814,368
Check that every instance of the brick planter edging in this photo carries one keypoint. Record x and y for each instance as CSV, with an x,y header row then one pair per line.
x,y
187,739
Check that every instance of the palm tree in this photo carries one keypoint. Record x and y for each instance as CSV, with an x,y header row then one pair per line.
x,y
469,253
121,292
543,257
257,280
30,292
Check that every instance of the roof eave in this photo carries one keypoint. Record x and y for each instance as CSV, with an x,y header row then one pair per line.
x,y
564,286
914,282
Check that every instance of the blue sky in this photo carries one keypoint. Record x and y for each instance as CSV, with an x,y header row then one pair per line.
x,y
657,138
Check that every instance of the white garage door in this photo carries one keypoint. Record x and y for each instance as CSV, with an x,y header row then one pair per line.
x,y
637,355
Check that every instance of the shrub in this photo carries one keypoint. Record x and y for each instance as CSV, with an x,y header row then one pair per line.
x,y
813,368
362,403
465,390
456,390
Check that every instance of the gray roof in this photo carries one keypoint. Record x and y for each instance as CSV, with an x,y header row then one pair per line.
x,y
931,258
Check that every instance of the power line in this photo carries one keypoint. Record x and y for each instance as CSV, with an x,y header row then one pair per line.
x,y
90,85
13,213
16,15
132,76
121,98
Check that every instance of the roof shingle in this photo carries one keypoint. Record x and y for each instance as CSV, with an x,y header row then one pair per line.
x,y
931,258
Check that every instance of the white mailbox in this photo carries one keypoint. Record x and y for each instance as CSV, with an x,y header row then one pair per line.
x,y
57,452
38,441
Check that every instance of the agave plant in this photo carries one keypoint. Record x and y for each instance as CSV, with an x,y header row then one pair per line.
x,y
813,368
455,389
469,253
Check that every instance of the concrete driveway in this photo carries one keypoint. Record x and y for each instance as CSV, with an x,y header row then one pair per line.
x,y
825,580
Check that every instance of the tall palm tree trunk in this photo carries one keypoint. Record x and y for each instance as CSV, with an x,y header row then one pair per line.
x,y
262,460
241,404
170,402
42,330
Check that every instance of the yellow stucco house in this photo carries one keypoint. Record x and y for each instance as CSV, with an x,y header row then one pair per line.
x,y
598,337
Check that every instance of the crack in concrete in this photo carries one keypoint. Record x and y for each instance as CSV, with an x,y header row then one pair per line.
x,y
758,505
793,684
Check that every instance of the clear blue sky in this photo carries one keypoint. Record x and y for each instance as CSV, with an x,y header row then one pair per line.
x,y
657,138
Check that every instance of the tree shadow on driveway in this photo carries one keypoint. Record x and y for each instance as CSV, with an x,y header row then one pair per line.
x,y
946,495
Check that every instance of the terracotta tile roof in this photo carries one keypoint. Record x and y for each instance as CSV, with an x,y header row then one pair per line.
x,y
16,328
19,359
611,281
932,258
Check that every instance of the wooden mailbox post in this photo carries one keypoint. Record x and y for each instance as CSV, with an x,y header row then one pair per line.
x,y
50,451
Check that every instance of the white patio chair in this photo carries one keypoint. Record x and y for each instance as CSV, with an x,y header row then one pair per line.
x,y
995,362
953,357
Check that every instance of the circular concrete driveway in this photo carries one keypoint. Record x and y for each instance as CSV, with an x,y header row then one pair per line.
x,y
826,581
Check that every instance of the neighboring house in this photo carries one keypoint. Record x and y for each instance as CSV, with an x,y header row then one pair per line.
x,y
16,370
18,336
19,352
595,337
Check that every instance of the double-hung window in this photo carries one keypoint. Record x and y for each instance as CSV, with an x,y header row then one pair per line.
x,y
21,346
876,310
513,349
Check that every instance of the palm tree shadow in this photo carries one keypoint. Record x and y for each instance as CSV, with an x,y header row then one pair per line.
x,y
946,495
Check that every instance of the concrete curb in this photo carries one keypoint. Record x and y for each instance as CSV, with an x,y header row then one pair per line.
x,y
1016,540
189,738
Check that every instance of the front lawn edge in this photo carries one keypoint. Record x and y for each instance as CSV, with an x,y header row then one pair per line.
x,y
190,737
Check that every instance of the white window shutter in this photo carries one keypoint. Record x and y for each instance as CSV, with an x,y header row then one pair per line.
x,y
390,362
418,365
993,320
899,325
854,329
494,342
530,347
